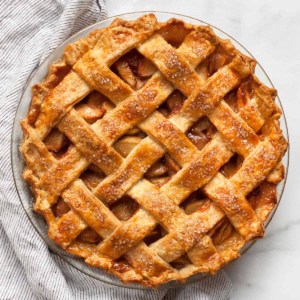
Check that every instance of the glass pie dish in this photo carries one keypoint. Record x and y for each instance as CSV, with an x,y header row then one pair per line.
x,y
24,192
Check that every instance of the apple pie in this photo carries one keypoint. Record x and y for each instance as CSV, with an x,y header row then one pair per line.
x,y
153,150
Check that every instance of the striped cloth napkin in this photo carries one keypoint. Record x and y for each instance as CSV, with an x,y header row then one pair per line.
x,y
29,31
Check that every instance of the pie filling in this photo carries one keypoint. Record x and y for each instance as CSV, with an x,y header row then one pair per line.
x,y
153,150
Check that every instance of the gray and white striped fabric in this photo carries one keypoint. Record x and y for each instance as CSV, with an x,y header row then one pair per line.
x,y
29,31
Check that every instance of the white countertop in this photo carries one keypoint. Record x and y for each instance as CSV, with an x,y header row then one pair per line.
x,y
271,31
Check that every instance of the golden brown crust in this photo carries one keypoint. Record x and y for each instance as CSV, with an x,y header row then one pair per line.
x,y
84,155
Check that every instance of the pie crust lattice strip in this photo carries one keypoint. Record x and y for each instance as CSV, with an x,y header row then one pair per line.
x,y
153,150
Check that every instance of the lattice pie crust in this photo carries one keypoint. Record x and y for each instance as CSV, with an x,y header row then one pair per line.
x,y
153,151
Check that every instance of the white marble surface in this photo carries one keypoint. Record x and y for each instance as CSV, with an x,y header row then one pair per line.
x,y
271,31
